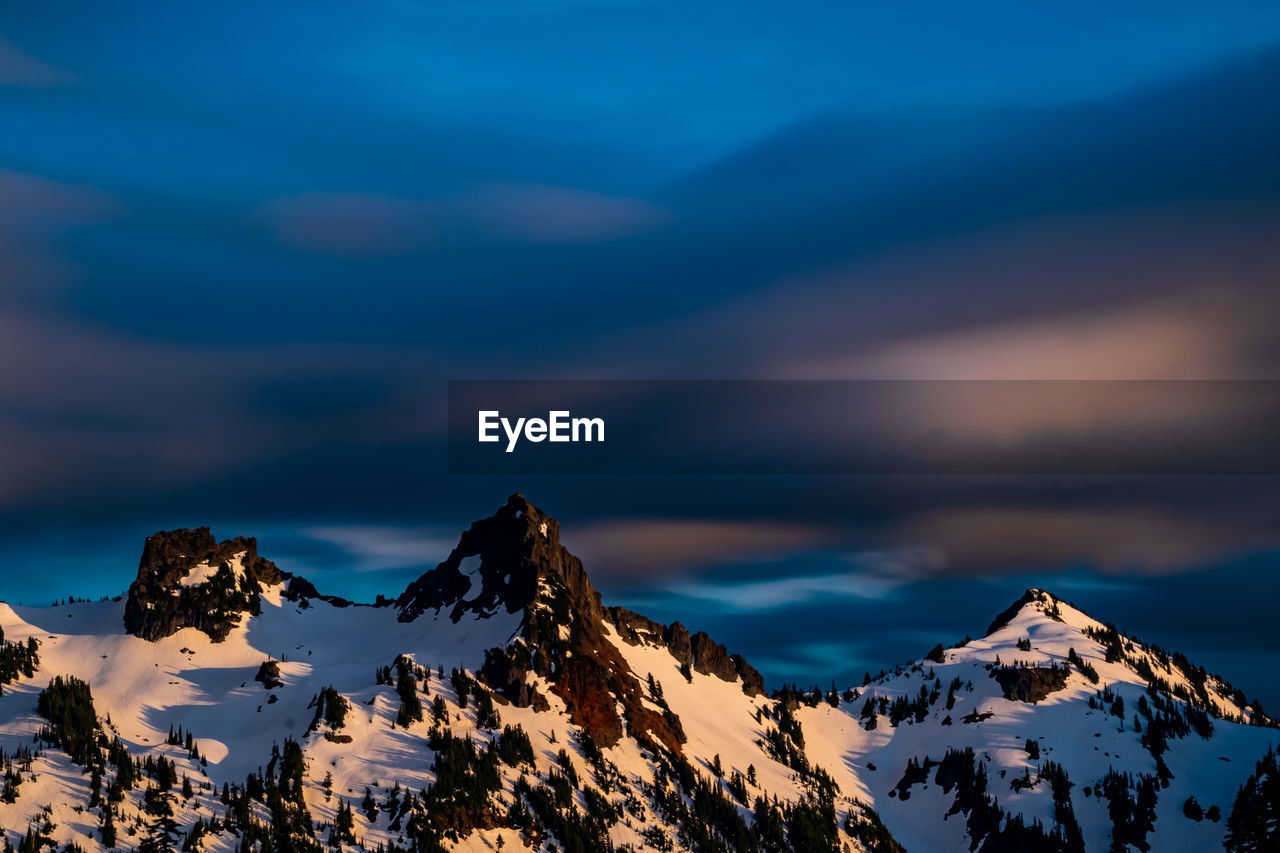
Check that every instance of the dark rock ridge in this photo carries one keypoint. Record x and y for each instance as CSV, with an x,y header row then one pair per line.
x,y
698,650
159,604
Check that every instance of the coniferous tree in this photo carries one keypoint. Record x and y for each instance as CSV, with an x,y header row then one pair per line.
x,y
407,687
68,706
1255,814
108,828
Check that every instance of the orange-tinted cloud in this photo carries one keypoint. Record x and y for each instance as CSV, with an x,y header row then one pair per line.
x,y
1134,540
640,547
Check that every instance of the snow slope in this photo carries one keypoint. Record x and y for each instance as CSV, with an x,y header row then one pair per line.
x,y
142,690
1086,741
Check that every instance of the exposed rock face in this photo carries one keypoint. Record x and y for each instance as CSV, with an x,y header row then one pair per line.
x,y
635,628
711,658
168,555
514,562
679,643
1030,683
507,673
498,565
698,650
752,680
187,579
301,590
160,603
269,675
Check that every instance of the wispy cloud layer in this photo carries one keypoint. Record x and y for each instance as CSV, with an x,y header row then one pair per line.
x,y
379,548
363,225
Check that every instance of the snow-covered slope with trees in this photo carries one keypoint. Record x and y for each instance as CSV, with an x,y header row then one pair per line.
x,y
222,704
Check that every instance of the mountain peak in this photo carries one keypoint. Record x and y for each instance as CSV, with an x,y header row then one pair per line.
x,y
1033,595
187,579
513,562
498,566
1040,630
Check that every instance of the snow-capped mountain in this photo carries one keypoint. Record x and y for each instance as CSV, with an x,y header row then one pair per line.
x,y
496,703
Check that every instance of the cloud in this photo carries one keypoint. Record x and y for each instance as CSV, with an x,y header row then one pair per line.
x,y
545,214
640,547
376,548
36,213
365,225
210,368
21,70
1141,292
1135,540
875,576
1193,336
782,593
351,224
93,417
30,200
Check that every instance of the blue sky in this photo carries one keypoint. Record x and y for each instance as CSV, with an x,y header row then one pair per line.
x,y
243,246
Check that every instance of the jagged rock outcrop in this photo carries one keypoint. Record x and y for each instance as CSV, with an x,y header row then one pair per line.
x,y
300,590
711,658
698,650
1030,684
679,643
188,579
498,565
635,628
752,680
